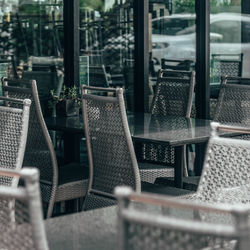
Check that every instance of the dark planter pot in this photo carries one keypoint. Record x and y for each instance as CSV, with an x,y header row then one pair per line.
x,y
67,108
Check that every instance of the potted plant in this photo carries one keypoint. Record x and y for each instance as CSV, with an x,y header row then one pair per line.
x,y
68,101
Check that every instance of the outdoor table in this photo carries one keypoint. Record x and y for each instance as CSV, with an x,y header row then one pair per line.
x,y
90,230
169,130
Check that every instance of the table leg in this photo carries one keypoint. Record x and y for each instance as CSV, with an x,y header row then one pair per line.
x,y
200,150
179,164
71,147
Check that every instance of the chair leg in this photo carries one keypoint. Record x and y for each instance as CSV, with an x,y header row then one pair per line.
x,y
185,169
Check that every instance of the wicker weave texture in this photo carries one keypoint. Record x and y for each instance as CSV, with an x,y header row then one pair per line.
x,y
40,151
161,223
111,156
226,168
93,201
173,96
230,68
11,128
13,135
21,224
146,237
15,229
233,104
37,153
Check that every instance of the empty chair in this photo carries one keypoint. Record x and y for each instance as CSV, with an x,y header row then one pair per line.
x,y
173,96
162,223
21,214
112,159
225,176
233,105
223,65
13,135
57,184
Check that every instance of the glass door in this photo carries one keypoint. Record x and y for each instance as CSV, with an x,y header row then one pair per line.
x,y
229,43
107,45
172,37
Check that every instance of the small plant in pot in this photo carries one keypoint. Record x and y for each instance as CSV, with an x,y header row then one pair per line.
x,y
68,101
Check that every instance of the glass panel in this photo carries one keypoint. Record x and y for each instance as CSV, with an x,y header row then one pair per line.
x,y
172,37
32,42
107,40
229,43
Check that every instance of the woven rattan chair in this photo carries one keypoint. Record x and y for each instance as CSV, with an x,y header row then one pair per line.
x,y
149,222
111,153
13,134
225,176
173,96
111,157
223,65
57,184
233,105
21,221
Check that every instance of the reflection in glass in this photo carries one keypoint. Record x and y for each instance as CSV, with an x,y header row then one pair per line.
x,y
172,36
32,41
107,39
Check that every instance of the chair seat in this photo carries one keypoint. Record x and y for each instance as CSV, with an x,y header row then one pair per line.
x,y
72,183
189,183
72,172
158,189
149,172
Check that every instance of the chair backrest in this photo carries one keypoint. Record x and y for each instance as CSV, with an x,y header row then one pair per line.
x,y
143,224
39,149
98,76
21,221
233,104
225,65
175,64
173,94
111,154
226,167
13,134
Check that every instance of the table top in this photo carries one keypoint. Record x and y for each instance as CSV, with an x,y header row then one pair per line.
x,y
171,130
91,230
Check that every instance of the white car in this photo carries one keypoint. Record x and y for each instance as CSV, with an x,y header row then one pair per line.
x,y
226,31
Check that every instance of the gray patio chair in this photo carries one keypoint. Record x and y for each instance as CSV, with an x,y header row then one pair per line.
x,y
173,96
225,176
223,65
233,105
58,183
21,221
111,155
150,222
13,135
